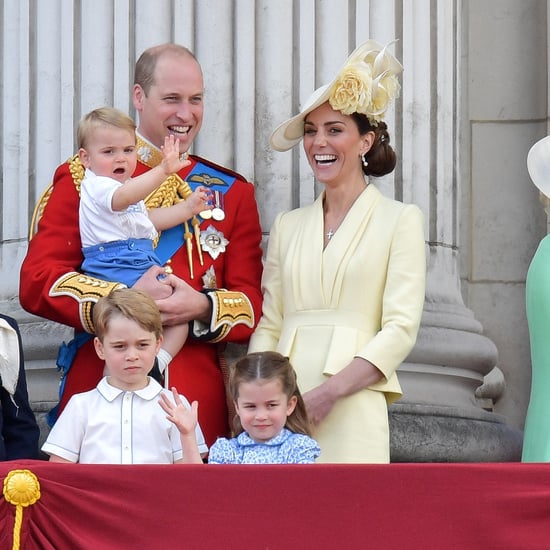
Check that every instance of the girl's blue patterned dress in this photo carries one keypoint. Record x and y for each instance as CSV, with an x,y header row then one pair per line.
x,y
285,448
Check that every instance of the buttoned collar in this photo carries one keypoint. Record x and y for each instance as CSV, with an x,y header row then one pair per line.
x,y
110,393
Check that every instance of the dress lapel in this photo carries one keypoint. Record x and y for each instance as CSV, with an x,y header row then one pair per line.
x,y
344,243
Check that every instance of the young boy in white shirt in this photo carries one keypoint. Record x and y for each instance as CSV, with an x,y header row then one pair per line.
x,y
121,421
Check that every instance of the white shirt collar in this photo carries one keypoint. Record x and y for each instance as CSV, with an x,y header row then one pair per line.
x,y
110,393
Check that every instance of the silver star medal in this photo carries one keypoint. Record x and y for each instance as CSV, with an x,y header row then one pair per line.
x,y
213,241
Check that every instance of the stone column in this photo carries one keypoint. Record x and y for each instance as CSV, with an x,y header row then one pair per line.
x,y
450,380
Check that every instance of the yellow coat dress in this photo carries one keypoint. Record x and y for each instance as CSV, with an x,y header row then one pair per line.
x,y
361,296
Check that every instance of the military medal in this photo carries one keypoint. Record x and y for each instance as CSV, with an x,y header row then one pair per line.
x,y
206,214
217,212
213,241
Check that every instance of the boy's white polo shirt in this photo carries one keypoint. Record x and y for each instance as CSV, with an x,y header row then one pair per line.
x,y
108,425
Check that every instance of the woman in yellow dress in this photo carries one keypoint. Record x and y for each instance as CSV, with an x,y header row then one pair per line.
x,y
344,277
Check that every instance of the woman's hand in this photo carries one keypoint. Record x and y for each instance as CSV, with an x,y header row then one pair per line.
x,y
319,402
355,376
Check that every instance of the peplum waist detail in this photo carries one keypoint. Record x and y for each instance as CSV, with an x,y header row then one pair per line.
x,y
322,342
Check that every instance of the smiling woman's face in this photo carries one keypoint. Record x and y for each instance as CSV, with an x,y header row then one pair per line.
x,y
333,145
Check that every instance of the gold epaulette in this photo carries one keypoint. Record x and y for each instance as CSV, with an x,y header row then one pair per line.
x,y
39,210
229,308
77,172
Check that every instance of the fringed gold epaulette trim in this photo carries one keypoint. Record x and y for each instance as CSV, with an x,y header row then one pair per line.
x,y
229,308
39,210
77,172
170,192
86,291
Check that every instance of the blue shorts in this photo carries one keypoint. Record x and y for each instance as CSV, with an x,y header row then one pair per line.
x,y
119,261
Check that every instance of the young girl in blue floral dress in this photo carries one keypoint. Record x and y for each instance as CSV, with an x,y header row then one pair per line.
x,y
271,423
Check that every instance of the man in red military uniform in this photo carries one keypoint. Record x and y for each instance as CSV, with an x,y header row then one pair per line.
x,y
217,259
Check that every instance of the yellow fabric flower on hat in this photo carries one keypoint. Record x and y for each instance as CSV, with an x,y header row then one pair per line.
x,y
367,83
352,90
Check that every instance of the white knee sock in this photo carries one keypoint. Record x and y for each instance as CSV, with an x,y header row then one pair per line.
x,y
164,359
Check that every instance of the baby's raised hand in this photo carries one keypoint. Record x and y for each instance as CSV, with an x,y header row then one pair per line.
x,y
173,160
200,200
185,419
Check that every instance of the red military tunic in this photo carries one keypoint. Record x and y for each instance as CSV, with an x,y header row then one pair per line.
x,y
51,287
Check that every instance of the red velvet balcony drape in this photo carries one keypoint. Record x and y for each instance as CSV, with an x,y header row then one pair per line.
x,y
405,506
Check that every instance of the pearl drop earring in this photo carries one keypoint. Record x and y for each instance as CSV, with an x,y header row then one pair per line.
x,y
364,160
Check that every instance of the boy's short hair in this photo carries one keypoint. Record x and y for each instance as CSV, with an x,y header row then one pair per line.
x,y
103,116
133,304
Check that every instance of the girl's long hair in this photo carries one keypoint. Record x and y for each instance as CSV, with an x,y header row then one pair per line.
x,y
269,365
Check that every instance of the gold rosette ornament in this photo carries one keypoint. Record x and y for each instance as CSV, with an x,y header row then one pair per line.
x,y
21,488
